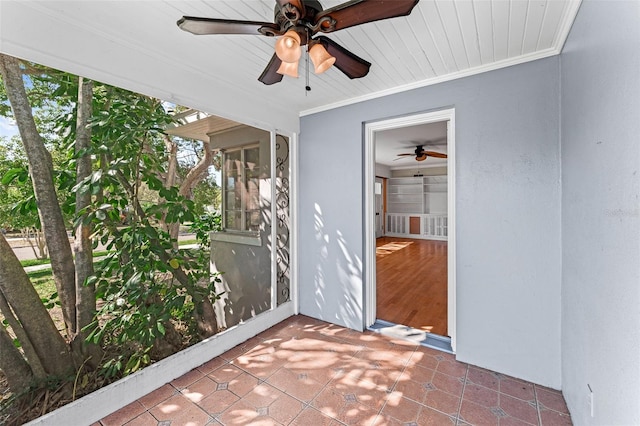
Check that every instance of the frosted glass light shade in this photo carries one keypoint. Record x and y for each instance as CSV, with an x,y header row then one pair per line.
x,y
321,59
288,47
289,68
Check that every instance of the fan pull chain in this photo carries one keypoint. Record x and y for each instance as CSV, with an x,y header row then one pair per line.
x,y
307,88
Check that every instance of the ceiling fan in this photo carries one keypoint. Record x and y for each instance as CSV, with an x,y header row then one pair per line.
x,y
421,154
297,22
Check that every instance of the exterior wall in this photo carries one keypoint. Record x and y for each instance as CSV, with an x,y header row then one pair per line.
x,y
245,268
508,214
600,67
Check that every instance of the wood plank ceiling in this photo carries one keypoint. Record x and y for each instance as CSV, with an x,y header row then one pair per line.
x,y
440,40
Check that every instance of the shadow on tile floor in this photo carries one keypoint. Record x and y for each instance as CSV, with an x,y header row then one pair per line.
x,y
310,373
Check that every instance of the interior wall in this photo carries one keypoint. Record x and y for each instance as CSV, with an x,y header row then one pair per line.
x,y
383,170
508,214
600,78
427,171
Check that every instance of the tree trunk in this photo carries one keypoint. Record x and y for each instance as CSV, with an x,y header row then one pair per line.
x,y
195,174
41,171
48,344
172,161
29,352
170,179
13,365
206,319
85,293
205,314
37,242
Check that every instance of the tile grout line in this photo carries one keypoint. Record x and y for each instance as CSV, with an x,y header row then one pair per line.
x,y
535,395
464,386
197,404
404,368
305,403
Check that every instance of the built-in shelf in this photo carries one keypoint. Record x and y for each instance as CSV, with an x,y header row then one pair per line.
x,y
417,207
420,195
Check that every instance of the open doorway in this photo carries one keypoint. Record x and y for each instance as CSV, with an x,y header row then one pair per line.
x,y
410,274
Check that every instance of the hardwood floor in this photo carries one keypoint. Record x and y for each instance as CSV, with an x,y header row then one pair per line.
x,y
411,287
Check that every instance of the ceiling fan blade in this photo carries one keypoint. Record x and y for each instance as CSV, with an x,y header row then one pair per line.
x,y
434,154
270,74
350,64
202,26
421,157
356,12
298,4
405,155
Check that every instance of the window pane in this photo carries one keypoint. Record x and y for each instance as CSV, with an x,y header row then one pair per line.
x,y
233,162
253,194
242,189
233,219
230,201
253,220
252,158
231,180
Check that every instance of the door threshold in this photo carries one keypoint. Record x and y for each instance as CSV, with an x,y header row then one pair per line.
x,y
429,340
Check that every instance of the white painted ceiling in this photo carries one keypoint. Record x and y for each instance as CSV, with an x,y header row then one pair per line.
x,y
390,143
137,45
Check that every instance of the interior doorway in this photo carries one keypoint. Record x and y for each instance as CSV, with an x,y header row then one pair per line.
x,y
417,246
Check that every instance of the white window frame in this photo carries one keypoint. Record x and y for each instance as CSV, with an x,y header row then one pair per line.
x,y
244,194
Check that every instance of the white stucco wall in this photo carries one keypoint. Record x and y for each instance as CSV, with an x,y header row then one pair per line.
x,y
601,214
508,214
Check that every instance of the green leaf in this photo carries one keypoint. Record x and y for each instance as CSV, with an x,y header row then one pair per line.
x,y
14,174
95,177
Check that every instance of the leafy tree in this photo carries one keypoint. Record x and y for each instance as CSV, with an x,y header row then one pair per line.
x,y
41,172
16,191
206,194
147,280
93,152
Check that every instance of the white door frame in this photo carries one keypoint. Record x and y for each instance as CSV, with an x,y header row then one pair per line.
x,y
369,210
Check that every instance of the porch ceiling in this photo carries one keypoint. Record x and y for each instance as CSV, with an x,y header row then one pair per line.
x,y
137,45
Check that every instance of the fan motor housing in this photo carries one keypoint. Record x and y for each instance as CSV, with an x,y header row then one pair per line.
x,y
289,18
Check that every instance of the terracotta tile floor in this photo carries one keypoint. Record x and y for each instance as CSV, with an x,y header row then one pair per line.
x,y
311,373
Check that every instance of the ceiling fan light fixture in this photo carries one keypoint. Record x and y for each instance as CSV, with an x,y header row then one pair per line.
x,y
289,68
288,47
321,59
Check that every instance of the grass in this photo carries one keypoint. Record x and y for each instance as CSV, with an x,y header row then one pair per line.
x,y
43,279
34,262
187,242
100,253
43,283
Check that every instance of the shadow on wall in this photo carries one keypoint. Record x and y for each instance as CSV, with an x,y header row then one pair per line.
x,y
338,286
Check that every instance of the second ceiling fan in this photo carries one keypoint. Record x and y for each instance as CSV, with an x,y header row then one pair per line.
x,y
421,154
297,22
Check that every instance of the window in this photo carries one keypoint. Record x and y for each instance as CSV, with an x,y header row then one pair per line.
x,y
241,189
